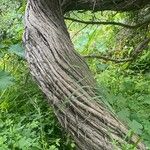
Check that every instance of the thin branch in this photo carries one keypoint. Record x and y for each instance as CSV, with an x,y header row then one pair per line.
x,y
108,23
79,31
135,53
109,59
140,47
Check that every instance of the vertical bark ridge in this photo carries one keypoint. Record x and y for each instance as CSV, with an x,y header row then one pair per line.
x,y
66,80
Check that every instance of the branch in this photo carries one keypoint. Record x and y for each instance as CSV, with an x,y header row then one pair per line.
x,y
109,59
100,5
135,53
109,23
140,47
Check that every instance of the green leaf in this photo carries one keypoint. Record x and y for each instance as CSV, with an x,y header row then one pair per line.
x,y
146,99
24,143
17,49
136,126
57,142
53,147
124,115
102,67
127,85
2,46
5,80
101,47
73,145
1,55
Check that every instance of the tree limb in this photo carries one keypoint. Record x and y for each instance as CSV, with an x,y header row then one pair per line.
x,y
135,53
140,47
108,58
109,23
100,5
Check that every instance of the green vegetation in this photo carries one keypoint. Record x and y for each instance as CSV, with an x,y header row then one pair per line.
x,y
26,120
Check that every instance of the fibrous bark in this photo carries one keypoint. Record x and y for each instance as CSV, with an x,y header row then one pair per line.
x,y
66,80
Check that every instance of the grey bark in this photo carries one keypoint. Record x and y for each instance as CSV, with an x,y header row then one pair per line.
x,y
66,80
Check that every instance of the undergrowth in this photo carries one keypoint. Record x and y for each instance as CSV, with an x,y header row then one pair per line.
x,y
27,122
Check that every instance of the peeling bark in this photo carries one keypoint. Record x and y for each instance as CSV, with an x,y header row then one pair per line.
x,y
66,80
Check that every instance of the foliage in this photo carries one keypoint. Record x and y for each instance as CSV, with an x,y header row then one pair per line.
x,y
26,120
125,86
130,97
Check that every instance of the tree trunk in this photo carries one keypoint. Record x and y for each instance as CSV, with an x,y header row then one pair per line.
x,y
66,80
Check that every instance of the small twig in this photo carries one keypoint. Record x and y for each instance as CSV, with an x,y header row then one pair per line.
x,y
79,31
